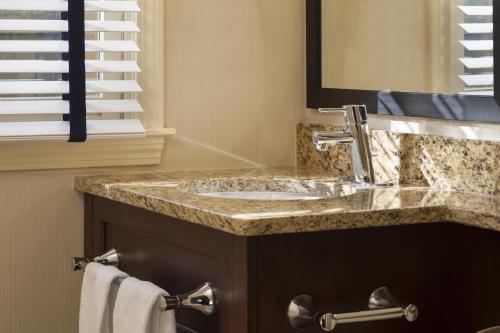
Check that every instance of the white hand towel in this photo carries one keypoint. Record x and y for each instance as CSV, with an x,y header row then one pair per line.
x,y
137,309
98,298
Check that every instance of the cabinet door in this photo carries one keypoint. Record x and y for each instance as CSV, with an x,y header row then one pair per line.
x,y
177,256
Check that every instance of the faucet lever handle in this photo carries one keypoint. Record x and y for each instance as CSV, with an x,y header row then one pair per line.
x,y
353,114
332,110
342,110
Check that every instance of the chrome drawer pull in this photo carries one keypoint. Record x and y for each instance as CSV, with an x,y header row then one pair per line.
x,y
303,313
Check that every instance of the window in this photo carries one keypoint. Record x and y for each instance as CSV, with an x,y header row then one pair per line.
x,y
34,69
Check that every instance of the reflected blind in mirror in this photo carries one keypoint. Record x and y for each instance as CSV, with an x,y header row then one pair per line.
x,y
478,47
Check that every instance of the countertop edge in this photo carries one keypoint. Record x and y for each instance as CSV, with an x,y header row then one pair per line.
x,y
248,227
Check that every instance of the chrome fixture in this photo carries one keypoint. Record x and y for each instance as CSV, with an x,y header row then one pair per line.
x,y
303,313
357,135
201,299
110,258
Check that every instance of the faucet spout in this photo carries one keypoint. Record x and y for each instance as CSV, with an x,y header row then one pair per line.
x,y
357,135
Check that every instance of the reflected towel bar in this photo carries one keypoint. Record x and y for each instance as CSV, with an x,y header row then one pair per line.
x,y
201,299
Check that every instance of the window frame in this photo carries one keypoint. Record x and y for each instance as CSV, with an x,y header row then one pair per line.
x,y
394,103
49,153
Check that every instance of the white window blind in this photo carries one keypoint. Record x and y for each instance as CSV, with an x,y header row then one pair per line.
x,y
478,47
32,69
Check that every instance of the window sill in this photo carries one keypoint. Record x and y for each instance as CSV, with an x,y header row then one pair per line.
x,y
42,155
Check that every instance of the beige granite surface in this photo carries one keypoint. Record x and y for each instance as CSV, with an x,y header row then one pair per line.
x,y
469,166
175,195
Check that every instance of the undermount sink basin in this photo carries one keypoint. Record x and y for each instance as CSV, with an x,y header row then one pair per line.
x,y
269,189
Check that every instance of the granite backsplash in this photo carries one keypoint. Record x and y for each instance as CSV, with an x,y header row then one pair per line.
x,y
440,162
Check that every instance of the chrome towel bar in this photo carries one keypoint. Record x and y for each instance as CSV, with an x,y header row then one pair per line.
x,y
110,258
201,299
303,313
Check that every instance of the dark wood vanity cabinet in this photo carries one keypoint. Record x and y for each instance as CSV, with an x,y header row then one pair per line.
x,y
451,272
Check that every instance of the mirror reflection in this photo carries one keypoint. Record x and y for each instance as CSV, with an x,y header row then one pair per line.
x,y
429,46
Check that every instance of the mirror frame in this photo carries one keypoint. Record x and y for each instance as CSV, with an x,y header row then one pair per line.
x,y
427,105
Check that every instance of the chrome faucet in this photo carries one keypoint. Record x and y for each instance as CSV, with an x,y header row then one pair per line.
x,y
357,135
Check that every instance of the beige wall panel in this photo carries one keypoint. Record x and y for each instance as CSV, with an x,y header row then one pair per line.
x,y
234,89
234,81
41,227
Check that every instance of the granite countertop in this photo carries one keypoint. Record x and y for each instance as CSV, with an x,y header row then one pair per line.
x,y
174,194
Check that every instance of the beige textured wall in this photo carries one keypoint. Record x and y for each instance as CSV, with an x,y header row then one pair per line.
x,y
235,81
234,90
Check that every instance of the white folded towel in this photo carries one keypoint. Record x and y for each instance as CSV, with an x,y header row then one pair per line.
x,y
137,309
98,298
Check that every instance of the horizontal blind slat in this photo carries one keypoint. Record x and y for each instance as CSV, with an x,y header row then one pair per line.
x,y
477,63
477,28
54,46
115,127
478,80
26,107
112,6
111,46
477,10
33,25
113,86
62,5
62,26
477,45
56,66
33,66
113,106
111,66
111,26
14,87
55,129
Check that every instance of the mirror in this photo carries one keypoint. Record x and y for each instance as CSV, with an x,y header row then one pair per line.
x,y
424,46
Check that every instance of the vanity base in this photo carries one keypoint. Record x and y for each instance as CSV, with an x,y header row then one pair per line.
x,y
451,272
